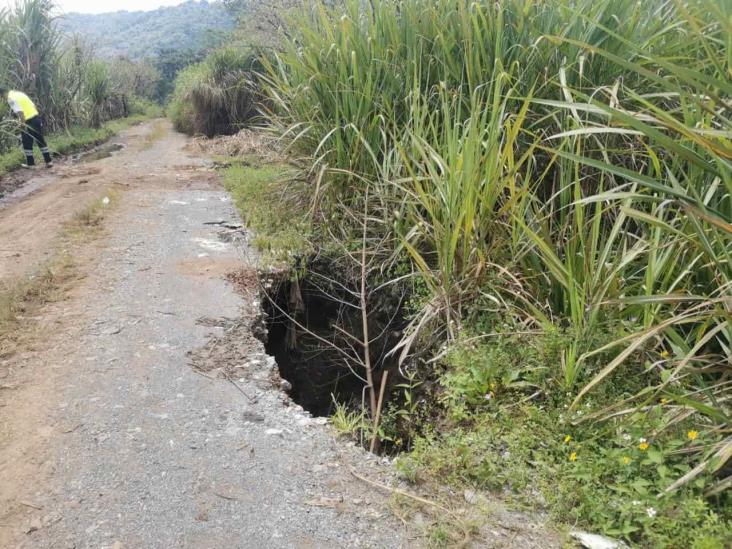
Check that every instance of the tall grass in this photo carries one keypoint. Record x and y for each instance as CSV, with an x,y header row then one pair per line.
x,y
60,74
569,162
218,95
31,46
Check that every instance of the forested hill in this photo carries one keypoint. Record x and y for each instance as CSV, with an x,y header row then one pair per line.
x,y
191,26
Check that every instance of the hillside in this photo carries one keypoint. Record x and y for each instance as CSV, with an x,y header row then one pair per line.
x,y
191,26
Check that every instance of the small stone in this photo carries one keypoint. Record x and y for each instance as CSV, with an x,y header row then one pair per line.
x,y
274,432
595,541
252,417
33,525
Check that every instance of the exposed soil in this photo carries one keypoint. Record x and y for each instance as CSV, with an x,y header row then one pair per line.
x,y
42,200
143,411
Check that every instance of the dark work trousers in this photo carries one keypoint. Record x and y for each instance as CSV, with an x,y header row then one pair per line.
x,y
33,132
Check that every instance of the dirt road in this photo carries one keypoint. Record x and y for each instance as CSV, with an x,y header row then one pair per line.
x,y
110,436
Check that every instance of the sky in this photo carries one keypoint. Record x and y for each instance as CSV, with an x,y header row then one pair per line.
x,y
103,6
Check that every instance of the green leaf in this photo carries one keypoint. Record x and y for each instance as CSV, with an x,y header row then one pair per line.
x,y
655,456
640,486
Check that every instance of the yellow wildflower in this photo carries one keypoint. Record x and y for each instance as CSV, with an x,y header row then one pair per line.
x,y
626,460
665,354
664,401
573,456
567,439
692,435
643,446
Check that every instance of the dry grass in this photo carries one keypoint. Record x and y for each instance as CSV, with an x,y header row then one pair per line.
x,y
22,300
469,519
245,143
158,132
217,96
90,216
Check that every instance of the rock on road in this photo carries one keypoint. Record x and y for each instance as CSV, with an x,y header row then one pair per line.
x,y
110,438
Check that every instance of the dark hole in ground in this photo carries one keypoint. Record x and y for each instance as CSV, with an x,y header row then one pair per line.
x,y
319,374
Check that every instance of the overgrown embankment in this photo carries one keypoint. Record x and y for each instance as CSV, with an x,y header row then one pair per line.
x,y
218,95
546,190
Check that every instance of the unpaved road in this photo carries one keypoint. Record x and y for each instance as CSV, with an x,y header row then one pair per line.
x,y
110,438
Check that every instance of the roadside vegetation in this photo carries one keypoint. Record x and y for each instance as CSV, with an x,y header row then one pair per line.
x,y
218,95
77,94
550,183
267,192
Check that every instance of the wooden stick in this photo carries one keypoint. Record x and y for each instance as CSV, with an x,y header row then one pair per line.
x,y
400,492
365,315
379,406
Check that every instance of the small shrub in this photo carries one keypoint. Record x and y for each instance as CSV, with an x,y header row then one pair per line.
x,y
346,421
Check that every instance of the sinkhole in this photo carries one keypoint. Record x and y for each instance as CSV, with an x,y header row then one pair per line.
x,y
313,332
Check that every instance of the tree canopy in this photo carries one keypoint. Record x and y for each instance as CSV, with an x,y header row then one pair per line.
x,y
191,26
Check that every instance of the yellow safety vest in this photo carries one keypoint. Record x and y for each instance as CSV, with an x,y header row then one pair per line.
x,y
21,103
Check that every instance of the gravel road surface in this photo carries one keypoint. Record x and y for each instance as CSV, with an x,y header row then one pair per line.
x,y
113,438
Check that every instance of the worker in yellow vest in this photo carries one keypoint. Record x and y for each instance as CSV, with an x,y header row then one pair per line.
x,y
32,125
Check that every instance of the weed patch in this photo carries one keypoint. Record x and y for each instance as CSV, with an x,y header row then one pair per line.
x,y
218,95
504,433
553,181
273,204
158,132
85,220
22,300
